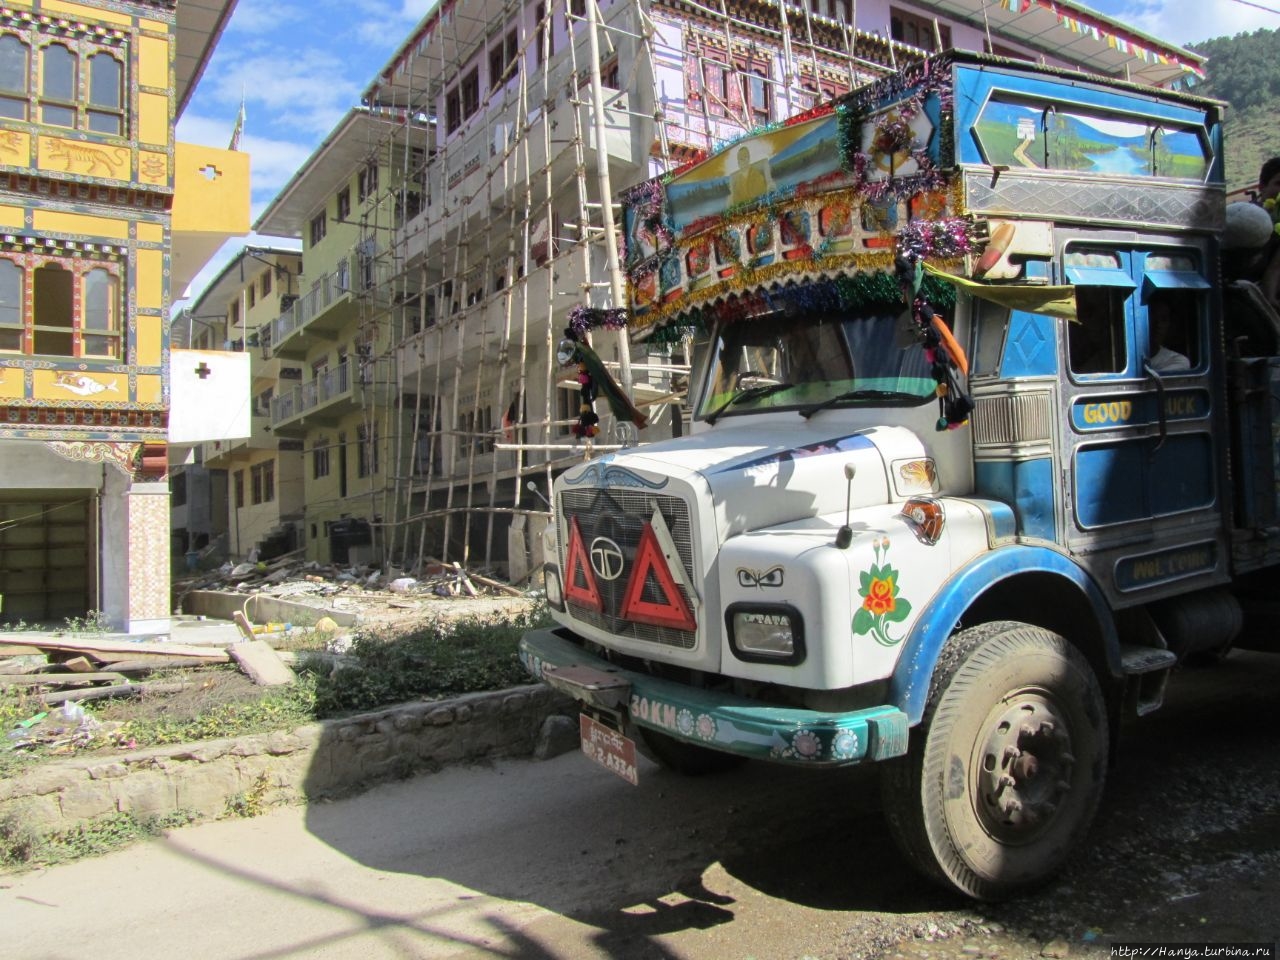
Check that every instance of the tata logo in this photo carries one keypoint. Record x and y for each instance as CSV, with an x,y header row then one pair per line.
x,y
606,558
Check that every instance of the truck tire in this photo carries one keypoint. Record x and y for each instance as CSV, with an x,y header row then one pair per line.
x,y
1006,770
686,758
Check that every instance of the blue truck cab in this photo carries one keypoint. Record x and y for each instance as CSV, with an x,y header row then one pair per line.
x,y
982,448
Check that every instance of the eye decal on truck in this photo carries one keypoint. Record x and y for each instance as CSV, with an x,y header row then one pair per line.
x,y
881,604
772,577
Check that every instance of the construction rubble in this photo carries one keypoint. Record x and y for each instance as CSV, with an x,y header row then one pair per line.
x,y
60,670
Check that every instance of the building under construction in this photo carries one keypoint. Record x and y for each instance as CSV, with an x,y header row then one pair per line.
x,y
460,223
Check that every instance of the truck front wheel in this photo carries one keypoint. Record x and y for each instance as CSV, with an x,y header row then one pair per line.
x,y
1006,770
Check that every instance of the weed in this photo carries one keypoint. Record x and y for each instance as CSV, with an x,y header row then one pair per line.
x,y
23,845
106,834
92,623
437,660
250,802
19,840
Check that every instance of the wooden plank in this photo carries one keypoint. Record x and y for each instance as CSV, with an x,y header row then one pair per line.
x,y
497,585
259,661
115,690
151,664
79,665
112,650
59,679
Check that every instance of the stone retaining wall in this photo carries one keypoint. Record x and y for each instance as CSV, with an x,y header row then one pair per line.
x,y
324,759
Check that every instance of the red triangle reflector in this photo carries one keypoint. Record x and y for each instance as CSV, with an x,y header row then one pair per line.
x,y
674,610
584,593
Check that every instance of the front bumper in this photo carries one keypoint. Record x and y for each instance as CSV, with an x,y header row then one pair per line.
x,y
733,724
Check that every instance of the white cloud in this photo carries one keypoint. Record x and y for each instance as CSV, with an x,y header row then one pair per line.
x,y
1182,22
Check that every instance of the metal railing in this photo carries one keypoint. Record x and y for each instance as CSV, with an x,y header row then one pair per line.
x,y
331,385
326,291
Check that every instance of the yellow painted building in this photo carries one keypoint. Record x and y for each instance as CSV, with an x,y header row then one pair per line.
x,y
102,216
342,406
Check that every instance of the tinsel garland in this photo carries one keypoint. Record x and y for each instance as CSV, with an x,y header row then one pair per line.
x,y
583,319
843,294
944,239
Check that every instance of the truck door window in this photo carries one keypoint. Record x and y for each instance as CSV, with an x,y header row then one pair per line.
x,y
1173,296
1096,341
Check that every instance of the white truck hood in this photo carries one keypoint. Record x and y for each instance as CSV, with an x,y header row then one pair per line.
x,y
762,474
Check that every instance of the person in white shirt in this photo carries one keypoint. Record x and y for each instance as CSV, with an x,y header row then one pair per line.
x,y
1163,359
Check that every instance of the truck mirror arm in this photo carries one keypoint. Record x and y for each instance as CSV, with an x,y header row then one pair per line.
x,y
1164,426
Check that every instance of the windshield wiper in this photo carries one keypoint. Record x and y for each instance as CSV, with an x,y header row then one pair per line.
x,y
746,393
808,412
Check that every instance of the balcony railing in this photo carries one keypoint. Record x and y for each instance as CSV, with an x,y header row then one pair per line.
x,y
327,291
330,387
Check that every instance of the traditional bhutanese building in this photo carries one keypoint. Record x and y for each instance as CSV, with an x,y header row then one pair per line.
x,y
102,216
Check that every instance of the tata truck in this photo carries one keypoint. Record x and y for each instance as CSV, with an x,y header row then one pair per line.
x,y
982,449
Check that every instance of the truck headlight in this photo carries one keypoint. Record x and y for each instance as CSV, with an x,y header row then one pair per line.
x,y
765,633
551,579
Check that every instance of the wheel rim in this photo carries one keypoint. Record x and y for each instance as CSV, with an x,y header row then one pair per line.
x,y
1024,767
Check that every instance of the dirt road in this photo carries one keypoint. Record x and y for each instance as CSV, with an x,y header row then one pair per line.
x,y
562,860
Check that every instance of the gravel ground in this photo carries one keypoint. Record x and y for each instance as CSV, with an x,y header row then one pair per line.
x,y
1186,847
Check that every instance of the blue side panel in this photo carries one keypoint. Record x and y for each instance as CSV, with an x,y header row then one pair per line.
x,y
1109,482
1029,349
1131,479
909,685
1028,485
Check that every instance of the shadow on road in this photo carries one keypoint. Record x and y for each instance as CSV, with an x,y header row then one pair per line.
x,y
1187,846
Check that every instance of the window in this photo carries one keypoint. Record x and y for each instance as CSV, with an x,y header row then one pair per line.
x,y
74,306
577,8
452,110
1096,344
758,95
237,482
367,182
918,31
80,84
262,478
320,458
318,226
609,74
266,283
344,203
253,295
15,72
502,57
544,42
367,447
470,87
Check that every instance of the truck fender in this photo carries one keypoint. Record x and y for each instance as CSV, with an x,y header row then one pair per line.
x,y
909,685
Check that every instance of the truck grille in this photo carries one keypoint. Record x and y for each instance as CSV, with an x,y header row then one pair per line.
x,y
620,516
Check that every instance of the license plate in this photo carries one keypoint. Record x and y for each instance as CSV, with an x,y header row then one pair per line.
x,y
609,748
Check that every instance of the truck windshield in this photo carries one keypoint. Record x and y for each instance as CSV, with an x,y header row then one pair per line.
x,y
779,362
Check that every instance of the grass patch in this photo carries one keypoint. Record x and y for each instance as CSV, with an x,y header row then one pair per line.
x,y
22,846
225,703
437,660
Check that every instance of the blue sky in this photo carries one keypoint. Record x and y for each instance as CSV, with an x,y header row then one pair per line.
x,y
301,64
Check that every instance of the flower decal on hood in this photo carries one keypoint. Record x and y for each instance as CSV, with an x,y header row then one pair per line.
x,y
881,604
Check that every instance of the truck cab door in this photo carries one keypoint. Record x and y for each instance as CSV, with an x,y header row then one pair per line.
x,y
1142,451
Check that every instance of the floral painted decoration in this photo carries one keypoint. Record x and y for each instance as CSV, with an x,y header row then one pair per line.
x,y
881,604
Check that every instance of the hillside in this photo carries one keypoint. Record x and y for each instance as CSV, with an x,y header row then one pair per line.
x,y
1244,70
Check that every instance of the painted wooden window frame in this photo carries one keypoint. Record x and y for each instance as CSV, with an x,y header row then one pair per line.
x,y
82,335
83,52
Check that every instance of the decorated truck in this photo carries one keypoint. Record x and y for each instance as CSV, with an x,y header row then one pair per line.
x,y
982,449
